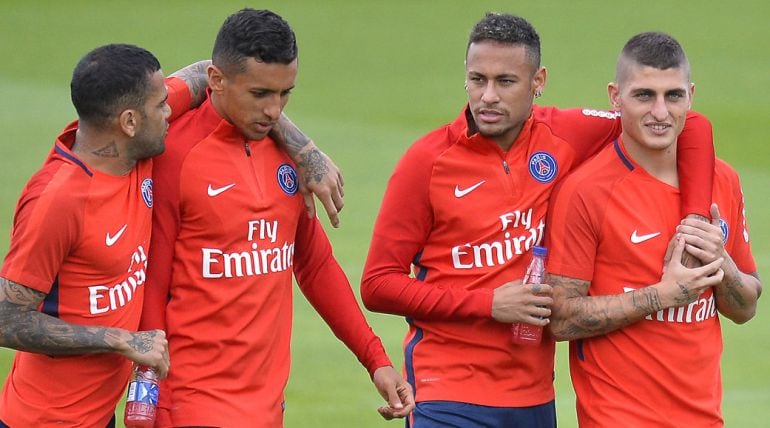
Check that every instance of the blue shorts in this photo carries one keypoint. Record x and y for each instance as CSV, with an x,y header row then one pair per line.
x,y
111,424
446,414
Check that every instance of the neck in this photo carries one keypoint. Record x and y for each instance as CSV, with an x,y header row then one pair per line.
x,y
102,151
659,163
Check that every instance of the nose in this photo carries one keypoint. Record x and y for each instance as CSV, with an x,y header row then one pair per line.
x,y
489,95
274,107
659,109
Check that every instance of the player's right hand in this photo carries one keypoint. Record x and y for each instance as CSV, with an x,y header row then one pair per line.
x,y
150,348
528,303
681,285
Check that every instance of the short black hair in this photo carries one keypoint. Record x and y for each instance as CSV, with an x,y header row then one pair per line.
x,y
507,29
110,79
258,34
653,49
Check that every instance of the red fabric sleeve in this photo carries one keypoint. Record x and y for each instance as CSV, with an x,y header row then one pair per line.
x,y
740,247
165,228
571,237
586,130
46,225
695,162
326,287
179,97
401,230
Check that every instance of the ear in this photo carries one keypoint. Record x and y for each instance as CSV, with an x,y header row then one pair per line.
x,y
614,93
692,95
216,78
539,80
128,121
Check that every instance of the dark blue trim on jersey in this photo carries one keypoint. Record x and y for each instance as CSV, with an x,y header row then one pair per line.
x,y
51,301
623,157
422,271
74,160
409,355
579,349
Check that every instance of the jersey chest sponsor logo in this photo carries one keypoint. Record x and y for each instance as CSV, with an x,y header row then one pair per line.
x,y
287,179
103,299
519,232
543,167
147,192
263,256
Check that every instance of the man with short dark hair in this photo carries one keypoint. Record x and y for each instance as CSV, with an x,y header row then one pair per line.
x,y
72,283
645,345
229,231
465,205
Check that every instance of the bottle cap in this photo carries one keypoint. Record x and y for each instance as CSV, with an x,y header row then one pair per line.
x,y
539,251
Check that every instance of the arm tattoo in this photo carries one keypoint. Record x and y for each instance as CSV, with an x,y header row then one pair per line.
x,y
22,327
314,165
108,151
290,137
196,78
577,315
141,342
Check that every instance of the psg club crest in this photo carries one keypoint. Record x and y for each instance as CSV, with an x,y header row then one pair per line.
x,y
287,179
725,230
147,192
542,167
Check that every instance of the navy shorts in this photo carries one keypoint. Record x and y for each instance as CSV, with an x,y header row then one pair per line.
x,y
445,414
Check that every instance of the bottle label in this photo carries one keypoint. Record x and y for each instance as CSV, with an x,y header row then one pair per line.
x,y
143,392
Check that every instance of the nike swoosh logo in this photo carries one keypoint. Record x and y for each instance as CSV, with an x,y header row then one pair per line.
x,y
459,193
216,191
637,239
111,240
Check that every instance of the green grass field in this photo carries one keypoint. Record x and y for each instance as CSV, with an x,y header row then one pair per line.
x,y
374,76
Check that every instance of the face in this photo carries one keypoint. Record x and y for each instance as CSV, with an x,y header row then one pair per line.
x,y
653,104
153,120
501,81
253,100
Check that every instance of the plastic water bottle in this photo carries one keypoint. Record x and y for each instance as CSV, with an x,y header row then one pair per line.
x,y
142,399
528,334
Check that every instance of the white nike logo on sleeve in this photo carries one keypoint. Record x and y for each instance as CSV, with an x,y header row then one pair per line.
x,y
637,239
216,191
111,240
459,193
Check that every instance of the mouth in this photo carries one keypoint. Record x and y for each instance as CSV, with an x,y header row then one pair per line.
x,y
658,128
489,115
263,127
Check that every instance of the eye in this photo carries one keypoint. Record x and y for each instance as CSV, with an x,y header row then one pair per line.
x,y
506,82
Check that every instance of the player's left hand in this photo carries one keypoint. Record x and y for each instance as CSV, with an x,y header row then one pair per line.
x,y
704,240
396,391
320,176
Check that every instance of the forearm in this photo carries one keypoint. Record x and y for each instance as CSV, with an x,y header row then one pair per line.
x,y
26,329
291,138
576,316
737,294
195,77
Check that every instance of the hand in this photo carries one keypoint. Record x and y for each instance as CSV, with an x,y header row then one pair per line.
x,y
681,285
149,348
396,391
528,303
320,176
704,240
689,260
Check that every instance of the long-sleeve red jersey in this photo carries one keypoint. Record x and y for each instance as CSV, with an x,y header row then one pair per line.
x,y
465,214
229,230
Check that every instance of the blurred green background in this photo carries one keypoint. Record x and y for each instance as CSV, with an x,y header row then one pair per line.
x,y
374,76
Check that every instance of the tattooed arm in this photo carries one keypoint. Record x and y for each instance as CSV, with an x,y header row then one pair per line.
x,y
737,294
575,315
317,173
22,327
196,77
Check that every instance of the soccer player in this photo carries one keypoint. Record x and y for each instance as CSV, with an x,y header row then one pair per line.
x,y
646,345
465,205
228,233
